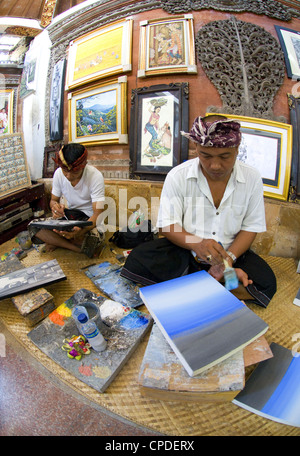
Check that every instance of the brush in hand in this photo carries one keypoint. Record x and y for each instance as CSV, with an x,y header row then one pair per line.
x,y
231,280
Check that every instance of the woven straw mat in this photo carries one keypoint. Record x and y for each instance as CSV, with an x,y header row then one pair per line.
x,y
123,396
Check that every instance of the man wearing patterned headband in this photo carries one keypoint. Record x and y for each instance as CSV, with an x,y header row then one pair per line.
x,y
211,206
82,186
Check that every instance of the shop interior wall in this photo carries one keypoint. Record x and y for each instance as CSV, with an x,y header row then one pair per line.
x,y
113,160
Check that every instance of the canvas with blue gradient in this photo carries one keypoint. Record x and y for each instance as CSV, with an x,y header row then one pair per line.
x,y
203,322
273,389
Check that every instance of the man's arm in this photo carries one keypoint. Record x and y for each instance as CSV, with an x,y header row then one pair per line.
x,y
203,248
79,232
58,210
242,242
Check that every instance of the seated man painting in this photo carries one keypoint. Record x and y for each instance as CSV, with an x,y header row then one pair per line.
x,y
82,186
211,209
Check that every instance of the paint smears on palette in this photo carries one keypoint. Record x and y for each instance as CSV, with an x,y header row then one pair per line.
x,y
97,370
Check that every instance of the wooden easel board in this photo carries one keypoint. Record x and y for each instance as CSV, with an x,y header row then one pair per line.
x,y
162,376
97,370
61,225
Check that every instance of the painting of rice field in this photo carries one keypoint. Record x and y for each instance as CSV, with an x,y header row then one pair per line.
x,y
98,114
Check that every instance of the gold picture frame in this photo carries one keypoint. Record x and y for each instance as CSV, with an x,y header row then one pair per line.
x,y
6,111
104,52
267,146
167,46
98,114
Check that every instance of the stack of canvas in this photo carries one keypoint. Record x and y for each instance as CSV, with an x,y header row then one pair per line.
x,y
35,305
23,285
207,327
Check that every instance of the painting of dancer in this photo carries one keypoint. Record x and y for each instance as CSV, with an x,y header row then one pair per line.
x,y
167,46
158,131
158,114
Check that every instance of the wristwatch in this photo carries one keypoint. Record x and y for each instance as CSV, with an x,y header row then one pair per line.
x,y
232,256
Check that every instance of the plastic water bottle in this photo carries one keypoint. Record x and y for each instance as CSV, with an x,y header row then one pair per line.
x,y
91,332
77,310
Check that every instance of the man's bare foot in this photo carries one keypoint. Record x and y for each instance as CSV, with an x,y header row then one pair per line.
x,y
48,248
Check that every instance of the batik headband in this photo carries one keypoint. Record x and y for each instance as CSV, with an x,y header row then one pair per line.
x,y
76,166
215,131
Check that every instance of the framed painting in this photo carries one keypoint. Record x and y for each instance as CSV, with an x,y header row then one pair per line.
x,y
98,114
290,43
14,171
57,101
29,74
158,114
167,46
6,111
104,52
294,105
267,146
49,165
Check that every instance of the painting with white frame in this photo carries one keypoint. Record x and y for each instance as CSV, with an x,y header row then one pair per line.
x,y
267,145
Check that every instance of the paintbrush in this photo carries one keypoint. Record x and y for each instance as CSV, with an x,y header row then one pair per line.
x,y
231,280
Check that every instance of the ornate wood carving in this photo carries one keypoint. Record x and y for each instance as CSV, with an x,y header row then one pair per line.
x,y
245,63
270,8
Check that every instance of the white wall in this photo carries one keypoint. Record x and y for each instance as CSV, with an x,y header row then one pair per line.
x,y
34,107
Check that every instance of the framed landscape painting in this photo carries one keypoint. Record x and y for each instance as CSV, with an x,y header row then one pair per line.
x,y
98,114
267,146
104,52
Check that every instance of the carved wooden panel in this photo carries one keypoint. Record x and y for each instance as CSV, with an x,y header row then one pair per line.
x,y
245,63
270,8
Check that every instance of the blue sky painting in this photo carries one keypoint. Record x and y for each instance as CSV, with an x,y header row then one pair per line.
x,y
203,322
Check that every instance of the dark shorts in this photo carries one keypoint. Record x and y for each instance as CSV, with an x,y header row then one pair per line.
x,y
161,260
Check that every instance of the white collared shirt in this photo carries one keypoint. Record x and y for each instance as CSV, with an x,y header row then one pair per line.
x,y
88,190
187,201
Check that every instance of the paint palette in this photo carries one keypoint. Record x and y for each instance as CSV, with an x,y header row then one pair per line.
x,y
97,370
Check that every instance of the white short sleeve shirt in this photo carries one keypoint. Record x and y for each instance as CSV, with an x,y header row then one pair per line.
x,y
187,201
89,189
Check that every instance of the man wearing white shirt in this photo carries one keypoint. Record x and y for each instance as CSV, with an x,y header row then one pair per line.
x,y
83,188
212,207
